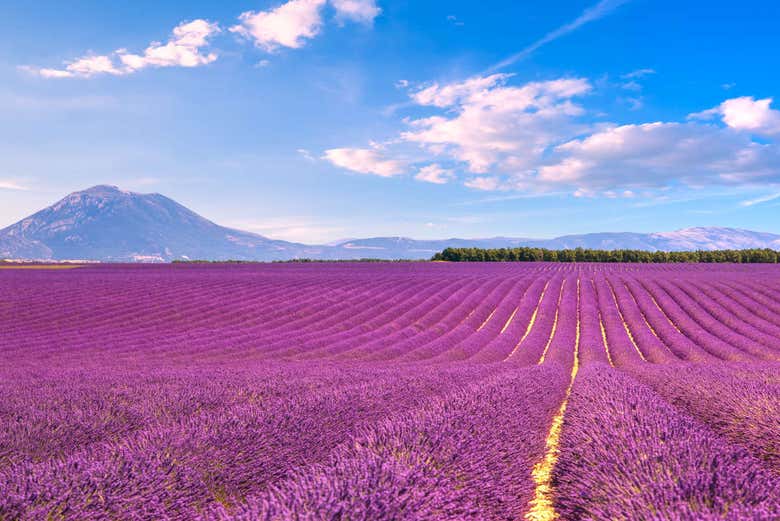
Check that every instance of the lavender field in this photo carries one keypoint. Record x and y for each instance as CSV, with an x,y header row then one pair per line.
x,y
385,391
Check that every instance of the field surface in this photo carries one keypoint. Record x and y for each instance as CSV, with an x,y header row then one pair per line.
x,y
390,391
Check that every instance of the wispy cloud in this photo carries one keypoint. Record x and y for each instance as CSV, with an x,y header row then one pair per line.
x,y
7,184
652,200
593,13
306,155
639,73
453,20
57,102
360,11
292,228
760,200
510,197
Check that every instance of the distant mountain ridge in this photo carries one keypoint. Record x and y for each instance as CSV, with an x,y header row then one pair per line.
x,y
108,224
705,238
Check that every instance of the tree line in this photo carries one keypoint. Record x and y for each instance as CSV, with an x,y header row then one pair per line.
x,y
527,254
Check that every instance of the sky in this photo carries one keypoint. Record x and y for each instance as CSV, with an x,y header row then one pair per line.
x,y
320,120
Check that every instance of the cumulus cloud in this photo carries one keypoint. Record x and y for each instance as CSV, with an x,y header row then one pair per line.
x,y
538,138
183,49
84,67
659,154
745,113
496,125
361,11
435,174
447,95
289,25
365,161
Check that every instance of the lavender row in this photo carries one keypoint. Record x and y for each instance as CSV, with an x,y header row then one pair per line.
x,y
174,469
531,347
625,454
466,456
738,402
678,312
513,331
723,326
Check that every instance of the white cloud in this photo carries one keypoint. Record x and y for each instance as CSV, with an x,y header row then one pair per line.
x,y
745,113
447,95
495,125
361,11
288,25
47,73
365,161
86,66
654,155
535,138
435,174
183,49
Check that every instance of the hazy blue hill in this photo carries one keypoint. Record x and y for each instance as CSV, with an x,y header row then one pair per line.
x,y
687,239
109,224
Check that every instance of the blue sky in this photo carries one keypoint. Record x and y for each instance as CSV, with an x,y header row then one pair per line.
x,y
315,120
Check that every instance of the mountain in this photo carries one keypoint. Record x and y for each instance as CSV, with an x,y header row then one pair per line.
x,y
681,240
716,239
108,224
